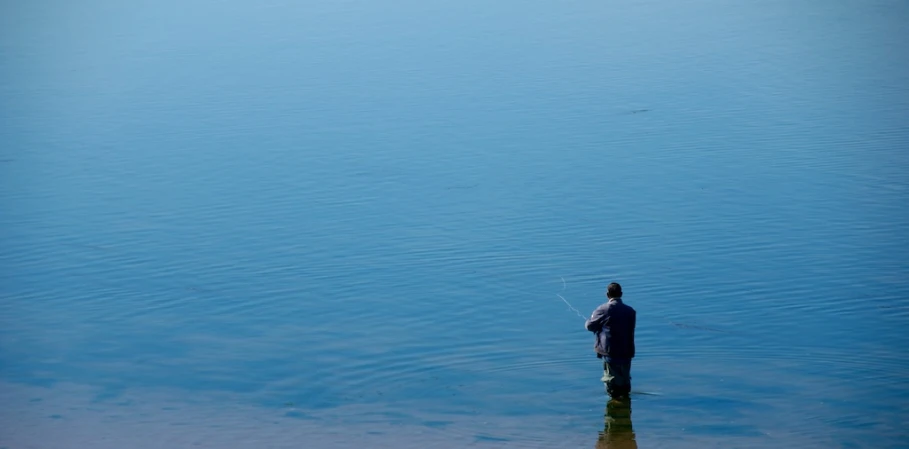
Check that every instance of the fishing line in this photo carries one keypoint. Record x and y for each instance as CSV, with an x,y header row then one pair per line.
x,y
570,307
657,315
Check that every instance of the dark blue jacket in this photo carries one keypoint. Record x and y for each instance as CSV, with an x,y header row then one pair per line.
x,y
613,323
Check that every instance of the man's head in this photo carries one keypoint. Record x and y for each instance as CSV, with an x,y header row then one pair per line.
x,y
614,290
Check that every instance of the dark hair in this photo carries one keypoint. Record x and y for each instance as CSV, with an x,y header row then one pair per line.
x,y
614,290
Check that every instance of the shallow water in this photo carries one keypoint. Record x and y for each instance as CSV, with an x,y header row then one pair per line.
x,y
347,224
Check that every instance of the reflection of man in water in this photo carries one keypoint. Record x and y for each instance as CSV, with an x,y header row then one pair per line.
x,y
613,323
617,431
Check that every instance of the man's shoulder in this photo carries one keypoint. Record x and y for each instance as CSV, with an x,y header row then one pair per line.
x,y
627,307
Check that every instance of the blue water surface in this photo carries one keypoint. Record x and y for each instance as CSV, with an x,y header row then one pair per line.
x,y
347,224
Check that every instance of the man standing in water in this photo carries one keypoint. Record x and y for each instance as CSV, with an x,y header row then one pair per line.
x,y
613,324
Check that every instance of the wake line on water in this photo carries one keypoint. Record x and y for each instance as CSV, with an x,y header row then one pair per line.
x,y
570,307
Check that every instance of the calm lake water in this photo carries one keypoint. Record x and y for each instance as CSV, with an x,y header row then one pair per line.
x,y
283,224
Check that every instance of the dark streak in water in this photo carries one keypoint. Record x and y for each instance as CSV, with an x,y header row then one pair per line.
x,y
462,187
437,424
635,111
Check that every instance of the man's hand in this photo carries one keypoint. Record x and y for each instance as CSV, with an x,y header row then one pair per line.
x,y
595,322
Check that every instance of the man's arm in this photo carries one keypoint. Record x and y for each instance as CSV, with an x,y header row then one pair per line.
x,y
595,322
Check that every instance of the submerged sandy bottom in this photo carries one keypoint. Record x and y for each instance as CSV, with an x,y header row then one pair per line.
x,y
71,416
